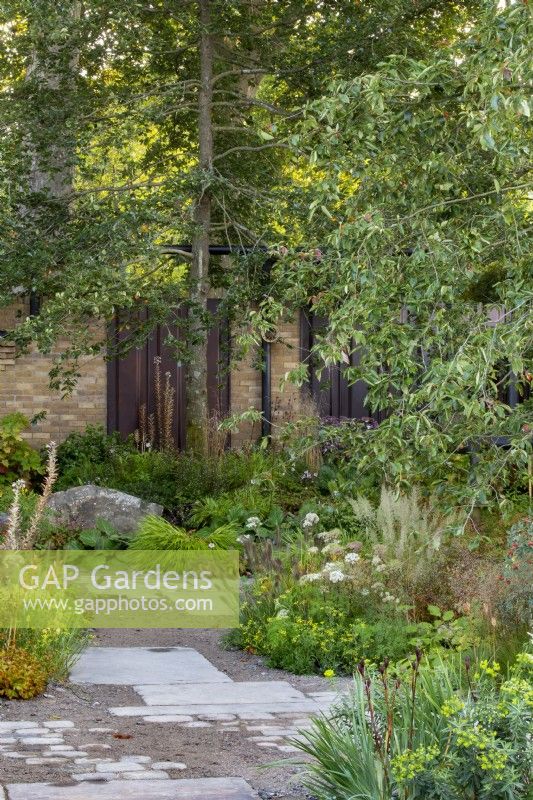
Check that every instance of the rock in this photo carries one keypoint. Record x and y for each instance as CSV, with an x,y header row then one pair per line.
x,y
58,723
79,508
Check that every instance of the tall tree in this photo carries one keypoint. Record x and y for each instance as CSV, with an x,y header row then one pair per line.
x,y
181,114
417,253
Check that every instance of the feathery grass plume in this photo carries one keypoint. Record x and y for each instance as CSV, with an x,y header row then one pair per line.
x,y
151,433
15,538
402,524
166,435
37,516
158,389
156,430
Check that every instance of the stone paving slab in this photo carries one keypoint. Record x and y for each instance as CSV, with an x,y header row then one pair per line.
x,y
228,694
199,789
249,711
127,666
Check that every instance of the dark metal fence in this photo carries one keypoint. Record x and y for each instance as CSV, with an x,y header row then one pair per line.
x,y
335,397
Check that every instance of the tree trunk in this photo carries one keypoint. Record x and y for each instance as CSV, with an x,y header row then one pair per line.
x,y
51,154
196,390
55,172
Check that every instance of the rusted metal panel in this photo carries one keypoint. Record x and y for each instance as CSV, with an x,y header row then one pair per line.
x,y
130,377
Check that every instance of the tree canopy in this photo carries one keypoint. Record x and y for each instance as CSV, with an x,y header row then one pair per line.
x,y
103,97
419,195
380,150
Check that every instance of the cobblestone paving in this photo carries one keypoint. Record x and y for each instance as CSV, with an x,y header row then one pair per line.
x,y
270,713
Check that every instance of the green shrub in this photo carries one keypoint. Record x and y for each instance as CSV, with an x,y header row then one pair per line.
x,y
81,455
247,509
438,732
21,674
56,649
156,533
306,646
308,628
324,602
17,459
201,477
175,480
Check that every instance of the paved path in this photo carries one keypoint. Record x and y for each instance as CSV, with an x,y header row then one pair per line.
x,y
174,685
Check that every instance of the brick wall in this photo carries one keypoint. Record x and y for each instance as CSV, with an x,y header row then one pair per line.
x,y
24,387
285,355
246,384
245,393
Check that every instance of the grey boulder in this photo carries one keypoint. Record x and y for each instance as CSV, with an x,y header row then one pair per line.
x,y
81,507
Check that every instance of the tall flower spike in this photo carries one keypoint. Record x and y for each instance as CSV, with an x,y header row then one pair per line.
x,y
51,477
11,539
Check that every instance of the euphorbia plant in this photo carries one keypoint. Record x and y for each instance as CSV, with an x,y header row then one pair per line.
x,y
447,731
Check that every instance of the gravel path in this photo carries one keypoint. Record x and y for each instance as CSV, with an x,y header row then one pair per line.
x,y
75,731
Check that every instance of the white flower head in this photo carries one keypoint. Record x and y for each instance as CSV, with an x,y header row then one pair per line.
x,y
313,550
331,547
211,545
282,613
330,536
310,519
336,576
310,577
329,566
351,558
252,523
376,560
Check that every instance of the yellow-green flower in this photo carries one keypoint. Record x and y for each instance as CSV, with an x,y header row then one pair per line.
x,y
407,765
494,761
329,673
492,670
452,706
